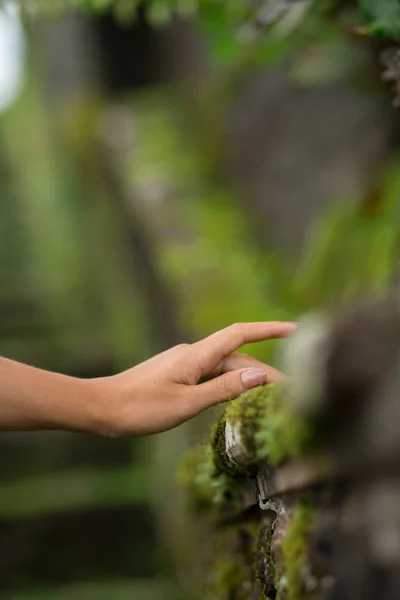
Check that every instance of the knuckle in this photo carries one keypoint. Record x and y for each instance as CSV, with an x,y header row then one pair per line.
x,y
239,330
224,387
182,346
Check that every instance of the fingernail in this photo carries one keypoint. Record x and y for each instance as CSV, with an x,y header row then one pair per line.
x,y
252,378
292,327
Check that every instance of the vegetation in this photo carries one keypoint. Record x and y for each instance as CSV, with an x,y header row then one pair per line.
x,y
126,226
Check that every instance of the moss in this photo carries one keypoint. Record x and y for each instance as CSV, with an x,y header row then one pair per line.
x,y
283,436
204,486
268,431
233,572
195,476
217,443
294,552
227,574
214,484
249,410
265,563
246,416
229,581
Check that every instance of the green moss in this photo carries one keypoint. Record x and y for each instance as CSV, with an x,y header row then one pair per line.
x,y
233,572
217,443
249,410
268,431
246,416
283,436
228,581
195,476
204,486
294,551
265,563
215,484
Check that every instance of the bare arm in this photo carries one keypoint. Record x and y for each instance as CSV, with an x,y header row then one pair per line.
x,y
31,398
156,395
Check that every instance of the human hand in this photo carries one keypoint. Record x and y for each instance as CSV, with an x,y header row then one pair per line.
x,y
176,385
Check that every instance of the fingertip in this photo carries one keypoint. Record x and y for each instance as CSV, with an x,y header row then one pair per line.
x,y
254,377
290,327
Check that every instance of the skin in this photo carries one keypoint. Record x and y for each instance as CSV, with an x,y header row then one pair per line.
x,y
154,396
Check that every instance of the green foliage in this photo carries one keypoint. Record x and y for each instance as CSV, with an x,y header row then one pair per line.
x,y
382,17
376,17
282,436
206,487
211,259
159,11
353,251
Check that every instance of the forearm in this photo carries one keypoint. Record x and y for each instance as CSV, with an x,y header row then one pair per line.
x,y
31,399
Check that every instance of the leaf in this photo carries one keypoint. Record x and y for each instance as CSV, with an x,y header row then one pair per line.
x,y
382,16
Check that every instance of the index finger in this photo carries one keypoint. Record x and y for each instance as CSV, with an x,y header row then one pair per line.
x,y
217,346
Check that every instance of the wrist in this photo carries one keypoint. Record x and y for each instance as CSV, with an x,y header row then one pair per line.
x,y
101,402
75,405
75,408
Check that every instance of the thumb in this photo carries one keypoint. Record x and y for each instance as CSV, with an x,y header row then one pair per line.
x,y
229,386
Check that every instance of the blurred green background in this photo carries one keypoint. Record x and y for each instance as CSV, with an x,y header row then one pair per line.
x,y
160,178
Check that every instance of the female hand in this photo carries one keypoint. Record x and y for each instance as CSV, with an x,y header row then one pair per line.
x,y
176,385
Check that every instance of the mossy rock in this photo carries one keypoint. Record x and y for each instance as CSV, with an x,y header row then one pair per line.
x,y
257,427
255,430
